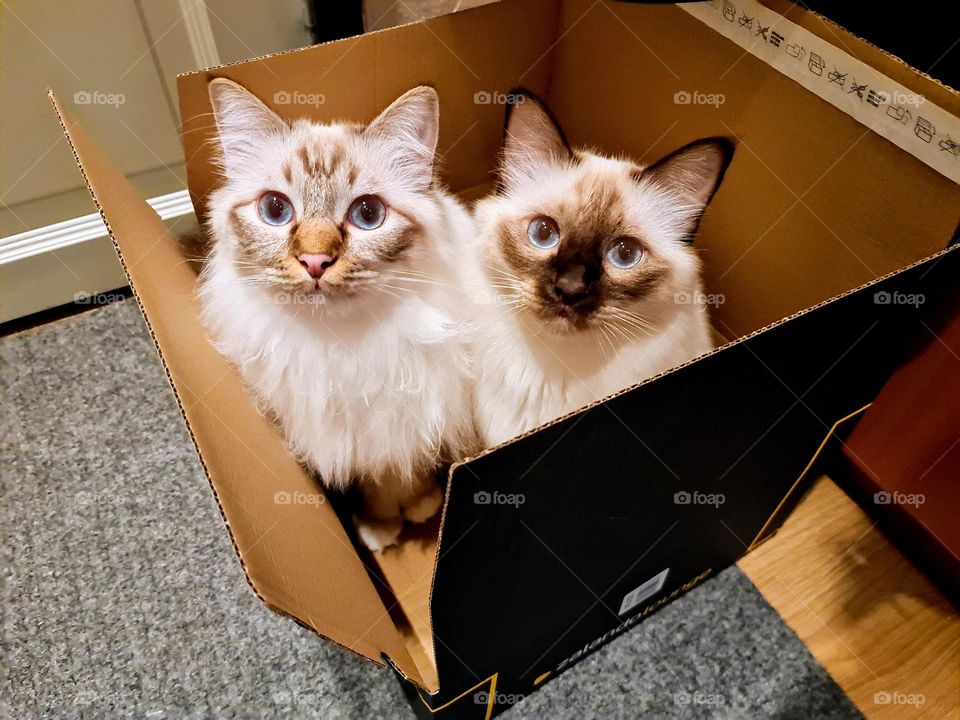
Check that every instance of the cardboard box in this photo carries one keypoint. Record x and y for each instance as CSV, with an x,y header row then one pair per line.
x,y
552,544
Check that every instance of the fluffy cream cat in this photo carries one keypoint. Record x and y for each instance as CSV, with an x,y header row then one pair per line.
x,y
584,276
332,283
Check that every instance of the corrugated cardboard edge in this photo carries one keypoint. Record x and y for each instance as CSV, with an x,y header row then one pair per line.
x,y
384,659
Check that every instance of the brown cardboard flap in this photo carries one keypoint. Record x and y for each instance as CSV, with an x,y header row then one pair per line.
x,y
813,203
472,58
293,549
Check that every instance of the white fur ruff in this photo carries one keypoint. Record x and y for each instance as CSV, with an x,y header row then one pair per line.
x,y
525,379
373,388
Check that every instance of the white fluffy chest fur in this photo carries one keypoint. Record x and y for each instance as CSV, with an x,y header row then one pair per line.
x,y
381,391
526,377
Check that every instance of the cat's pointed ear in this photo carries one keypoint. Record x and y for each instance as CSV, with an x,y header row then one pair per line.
x,y
693,174
532,139
243,121
410,126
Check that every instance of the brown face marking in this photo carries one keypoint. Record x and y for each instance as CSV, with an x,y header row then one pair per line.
x,y
287,173
317,237
336,156
637,282
304,155
236,223
323,164
390,249
573,280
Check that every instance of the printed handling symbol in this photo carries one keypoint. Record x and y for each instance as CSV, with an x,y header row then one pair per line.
x,y
950,146
763,31
776,38
855,87
797,51
924,129
729,12
816,64
746,22
899,113
875,98
835,76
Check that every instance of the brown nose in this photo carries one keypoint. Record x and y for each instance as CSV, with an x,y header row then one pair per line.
x,y
316,264
571,285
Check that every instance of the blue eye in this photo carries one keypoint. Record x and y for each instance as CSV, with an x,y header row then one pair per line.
x,y
367,212
624,253
543,232
275,208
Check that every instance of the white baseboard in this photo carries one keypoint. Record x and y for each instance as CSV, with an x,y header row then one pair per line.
x,y
56,264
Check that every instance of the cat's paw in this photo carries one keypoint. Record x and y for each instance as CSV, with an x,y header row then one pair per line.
x,y
378,534
424,507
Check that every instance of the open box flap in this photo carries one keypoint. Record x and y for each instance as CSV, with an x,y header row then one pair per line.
x,y
293,549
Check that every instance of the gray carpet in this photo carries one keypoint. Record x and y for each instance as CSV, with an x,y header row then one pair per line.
x,y
123,597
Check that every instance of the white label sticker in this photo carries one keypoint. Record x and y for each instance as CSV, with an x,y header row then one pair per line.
x,y
640,593
905,118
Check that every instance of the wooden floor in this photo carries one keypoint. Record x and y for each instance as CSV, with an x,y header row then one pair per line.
x,y
878,626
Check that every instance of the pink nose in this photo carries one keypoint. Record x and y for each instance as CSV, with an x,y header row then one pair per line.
x,y
316,264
